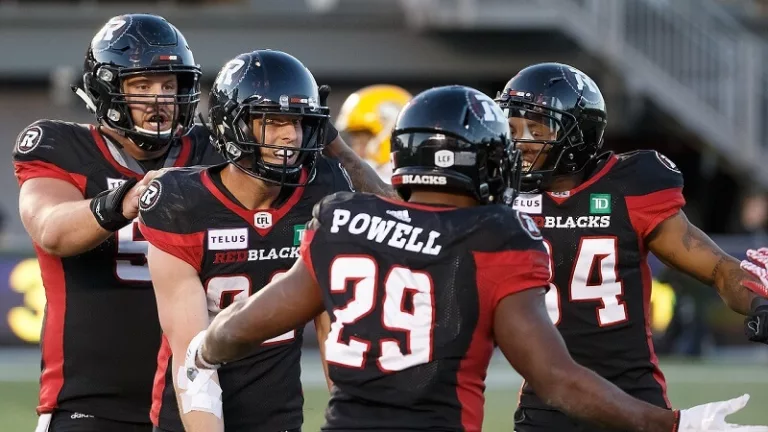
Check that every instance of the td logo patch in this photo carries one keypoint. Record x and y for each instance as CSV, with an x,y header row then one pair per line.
x,y
600,204
298,233
151,195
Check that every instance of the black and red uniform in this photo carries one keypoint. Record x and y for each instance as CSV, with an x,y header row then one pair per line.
x,y
411,291
599,297
101,309
192,216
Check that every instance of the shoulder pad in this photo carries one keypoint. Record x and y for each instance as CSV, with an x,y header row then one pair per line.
x,y
330,171
323,210
169,201
502,228
646,171
51,141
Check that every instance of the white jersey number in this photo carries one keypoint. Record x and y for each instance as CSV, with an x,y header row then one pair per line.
x,y
222,291
417,324
603,252
131,259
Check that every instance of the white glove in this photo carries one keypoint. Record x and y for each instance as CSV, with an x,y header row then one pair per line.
x,y
756,265
711,417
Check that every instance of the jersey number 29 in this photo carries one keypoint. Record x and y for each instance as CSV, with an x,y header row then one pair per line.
x,y
416,324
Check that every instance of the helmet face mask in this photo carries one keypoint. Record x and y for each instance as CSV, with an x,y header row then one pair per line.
x,y
454,139
557,119
246,150
243,99
136,45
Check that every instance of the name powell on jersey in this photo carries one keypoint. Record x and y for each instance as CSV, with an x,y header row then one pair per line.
x,y
400,235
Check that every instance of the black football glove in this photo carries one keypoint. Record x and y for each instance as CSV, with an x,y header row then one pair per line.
x,y
107,207
756,325
756,266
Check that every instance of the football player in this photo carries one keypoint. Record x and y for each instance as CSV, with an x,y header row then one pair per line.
x,y
420,291
600,215
79,189
366,120
218,234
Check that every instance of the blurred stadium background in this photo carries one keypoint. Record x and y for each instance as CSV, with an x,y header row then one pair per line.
x,y
686,77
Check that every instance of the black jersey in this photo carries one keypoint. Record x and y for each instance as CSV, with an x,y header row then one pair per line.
x,y
411,291
599,297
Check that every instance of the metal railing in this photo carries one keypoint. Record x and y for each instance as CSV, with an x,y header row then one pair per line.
x,y
689,56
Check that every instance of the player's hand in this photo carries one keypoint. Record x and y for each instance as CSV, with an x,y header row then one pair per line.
x,y
131,200
194,359
711,417
756,265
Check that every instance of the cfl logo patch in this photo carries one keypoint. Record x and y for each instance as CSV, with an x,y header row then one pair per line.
x,y
262,220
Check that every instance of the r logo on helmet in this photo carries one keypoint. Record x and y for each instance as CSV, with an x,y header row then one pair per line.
x,y
111,32
225,77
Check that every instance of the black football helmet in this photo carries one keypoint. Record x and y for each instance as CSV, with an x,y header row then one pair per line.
x,y
138,44
455,138
256,85
560,108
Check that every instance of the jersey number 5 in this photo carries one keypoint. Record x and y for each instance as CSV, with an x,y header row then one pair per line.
x,y
593,251
131,259
399,283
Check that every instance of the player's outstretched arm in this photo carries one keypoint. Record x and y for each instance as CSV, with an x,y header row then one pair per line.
x,y
534,347
181,305
681,245
62,223
285,304
364,177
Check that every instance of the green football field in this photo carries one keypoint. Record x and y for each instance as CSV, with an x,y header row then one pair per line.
x,y
690,383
